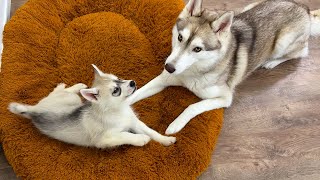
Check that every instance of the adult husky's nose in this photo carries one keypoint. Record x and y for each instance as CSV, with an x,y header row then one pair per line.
x,y
170,68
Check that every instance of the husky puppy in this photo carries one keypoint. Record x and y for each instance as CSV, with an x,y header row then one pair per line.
x,y
213,51
105,120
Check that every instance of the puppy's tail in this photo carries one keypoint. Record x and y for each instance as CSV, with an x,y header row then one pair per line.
x,y
315,22
21,109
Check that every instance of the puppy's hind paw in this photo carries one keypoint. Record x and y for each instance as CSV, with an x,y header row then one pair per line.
x,y
167,141
141,140
17,108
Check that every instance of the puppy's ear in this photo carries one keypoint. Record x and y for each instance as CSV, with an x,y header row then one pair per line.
x,y
223,23
90,94
193,8
97,72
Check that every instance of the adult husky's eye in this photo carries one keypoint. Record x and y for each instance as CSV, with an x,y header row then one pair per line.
x,y
180,38
116,91
197,49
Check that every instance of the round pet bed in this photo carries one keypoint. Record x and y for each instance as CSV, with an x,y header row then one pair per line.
x,y
51,41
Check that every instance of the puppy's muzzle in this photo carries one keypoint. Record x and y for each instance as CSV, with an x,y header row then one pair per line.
x,y
132,84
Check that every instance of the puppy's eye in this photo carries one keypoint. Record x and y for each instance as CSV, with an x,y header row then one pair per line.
x,y
180,38
197,49
116,91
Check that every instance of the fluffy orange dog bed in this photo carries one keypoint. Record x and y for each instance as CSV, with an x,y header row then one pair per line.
x,y
53,41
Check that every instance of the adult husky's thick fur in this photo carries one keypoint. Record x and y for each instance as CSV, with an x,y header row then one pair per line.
x,y
103,121
213,51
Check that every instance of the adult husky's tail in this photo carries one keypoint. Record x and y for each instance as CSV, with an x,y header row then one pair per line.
x,y
20,109
315,23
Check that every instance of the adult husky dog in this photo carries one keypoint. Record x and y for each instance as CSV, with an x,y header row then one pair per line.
x,y
105,120
213,51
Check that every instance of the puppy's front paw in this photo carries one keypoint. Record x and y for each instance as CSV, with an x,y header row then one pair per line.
x,y
141,140
167,141
60,87
80,86
76,88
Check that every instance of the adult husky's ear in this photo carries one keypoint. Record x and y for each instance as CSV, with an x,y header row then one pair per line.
x,y
193,8
90,94
223,23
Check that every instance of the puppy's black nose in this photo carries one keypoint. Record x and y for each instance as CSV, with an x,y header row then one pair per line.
x,y
132,84
170,68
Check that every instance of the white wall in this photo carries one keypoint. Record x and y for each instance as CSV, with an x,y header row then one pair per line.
x,y
4,16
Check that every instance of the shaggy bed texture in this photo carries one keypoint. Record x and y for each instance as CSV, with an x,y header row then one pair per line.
x,y
51,41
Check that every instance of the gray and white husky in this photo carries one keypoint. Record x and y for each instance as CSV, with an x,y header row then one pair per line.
x,y
105,120
213,51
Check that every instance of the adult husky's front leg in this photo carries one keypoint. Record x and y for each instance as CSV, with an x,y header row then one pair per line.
x,y
153,87
196,109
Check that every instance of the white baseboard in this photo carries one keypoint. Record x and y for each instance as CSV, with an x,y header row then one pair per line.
x,y
5,6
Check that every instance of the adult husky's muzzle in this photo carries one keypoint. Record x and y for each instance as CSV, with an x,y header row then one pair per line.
x,y
170,68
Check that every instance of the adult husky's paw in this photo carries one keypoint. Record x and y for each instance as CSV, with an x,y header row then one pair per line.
x,y
174,127
167,141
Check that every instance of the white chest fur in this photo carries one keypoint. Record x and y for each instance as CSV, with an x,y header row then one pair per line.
x,y
205,86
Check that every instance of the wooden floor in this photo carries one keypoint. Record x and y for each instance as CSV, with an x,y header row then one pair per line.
x,y
272,131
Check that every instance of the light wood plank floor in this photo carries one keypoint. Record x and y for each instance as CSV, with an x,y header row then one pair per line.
x,y
272,131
